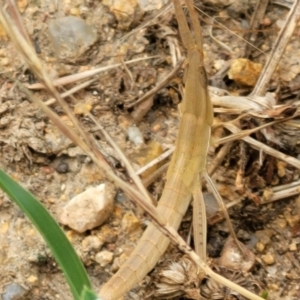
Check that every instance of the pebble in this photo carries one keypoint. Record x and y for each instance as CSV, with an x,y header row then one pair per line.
x,y
281,168
252,241
268,259
232,258
124,11
291,219
118,262
88,209
211,204
260,247
90,243
266,22
135,135
13,291
264,236
71,36
281,223
32,279
74,11
293,247
107,234
130,223
62,167
244,71
273,286
104,258
243,235
146,5
22,5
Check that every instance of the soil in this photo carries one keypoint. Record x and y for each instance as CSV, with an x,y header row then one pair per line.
x,y
35,154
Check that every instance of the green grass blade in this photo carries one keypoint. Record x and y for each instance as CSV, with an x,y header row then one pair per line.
x,y
89,295
58,243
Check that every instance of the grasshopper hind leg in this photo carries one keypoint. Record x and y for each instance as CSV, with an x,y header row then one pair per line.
x,y
225,212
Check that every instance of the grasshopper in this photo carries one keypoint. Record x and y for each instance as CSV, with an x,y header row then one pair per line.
x,y
188,161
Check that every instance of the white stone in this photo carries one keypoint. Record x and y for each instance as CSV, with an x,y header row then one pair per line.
x,y
88,209
90,243
233,258
135,135
104,258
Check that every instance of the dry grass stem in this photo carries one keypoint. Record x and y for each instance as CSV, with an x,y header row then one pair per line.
x,y
243,133
72,91
277,50
262,147
223,45
282,192
215,163
83,75
136,179
255,22
159,86
155,175
156,161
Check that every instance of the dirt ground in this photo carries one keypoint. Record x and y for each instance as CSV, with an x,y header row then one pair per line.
x,y
35,154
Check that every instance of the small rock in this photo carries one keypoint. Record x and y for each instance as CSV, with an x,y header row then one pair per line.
x,y
62,167
71,36
252,241
107,234
260,247
13,291
22,4
135,135
268,259
281,250
273,287
124,11
232,258
74,11
111,247
293,247
211,204
88,209
243,235
266,22
90,172
118,262
146,5
130,223
86,258
82,108
291,219
90,243
32,279
244,71
104,258
264,236
281,223
267,194
281,168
